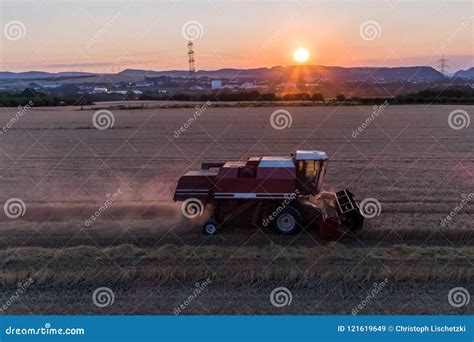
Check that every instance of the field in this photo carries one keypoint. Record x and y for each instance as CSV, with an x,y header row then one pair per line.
x,y
155,261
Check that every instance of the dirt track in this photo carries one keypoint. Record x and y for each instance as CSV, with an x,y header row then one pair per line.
x,y
141,247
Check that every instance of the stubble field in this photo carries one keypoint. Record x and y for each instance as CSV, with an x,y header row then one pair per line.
x,y
153,260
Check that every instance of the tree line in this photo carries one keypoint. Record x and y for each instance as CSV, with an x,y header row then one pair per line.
x,y
458,95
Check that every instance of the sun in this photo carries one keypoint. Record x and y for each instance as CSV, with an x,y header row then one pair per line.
x,y
301,55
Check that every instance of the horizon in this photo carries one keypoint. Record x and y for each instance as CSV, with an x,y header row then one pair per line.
x,y
235,68
111,36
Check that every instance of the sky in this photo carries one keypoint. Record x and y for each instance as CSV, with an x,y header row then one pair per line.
x,y
109,36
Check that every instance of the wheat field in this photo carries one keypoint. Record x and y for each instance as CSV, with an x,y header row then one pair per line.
x,y
152,258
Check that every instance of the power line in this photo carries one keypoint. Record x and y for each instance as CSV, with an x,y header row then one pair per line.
x,y
79,61
192,70
150,53
443,66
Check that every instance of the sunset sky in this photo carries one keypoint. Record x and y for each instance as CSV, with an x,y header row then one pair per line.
x,y
107,36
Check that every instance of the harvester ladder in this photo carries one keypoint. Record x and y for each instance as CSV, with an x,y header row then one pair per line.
x,y
344,201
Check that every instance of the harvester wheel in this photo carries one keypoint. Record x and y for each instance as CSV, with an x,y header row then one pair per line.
x,y
210,227
288,221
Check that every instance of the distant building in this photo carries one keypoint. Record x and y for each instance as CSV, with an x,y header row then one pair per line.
x,y
248,85
232,84
161,81
216,84
144,84
52,86
125,92
99,90
196,87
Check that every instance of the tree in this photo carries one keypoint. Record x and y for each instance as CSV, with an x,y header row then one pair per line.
x,y
317,97
340,97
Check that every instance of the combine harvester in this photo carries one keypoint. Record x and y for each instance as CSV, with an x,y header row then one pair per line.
x,y
281,192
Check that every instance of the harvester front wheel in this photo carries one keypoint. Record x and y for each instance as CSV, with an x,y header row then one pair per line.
x,y
288,221
210,227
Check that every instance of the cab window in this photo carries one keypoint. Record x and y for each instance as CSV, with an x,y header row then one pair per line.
x,y
312,167
300,165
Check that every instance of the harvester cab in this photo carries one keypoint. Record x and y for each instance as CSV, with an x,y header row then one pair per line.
x,y
310,171
271,191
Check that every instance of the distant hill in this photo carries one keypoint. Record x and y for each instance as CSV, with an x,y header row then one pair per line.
x,y
466,74
310,72
220,73
32,75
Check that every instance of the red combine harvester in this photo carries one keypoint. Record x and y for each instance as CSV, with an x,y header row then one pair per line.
x,y
281,192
